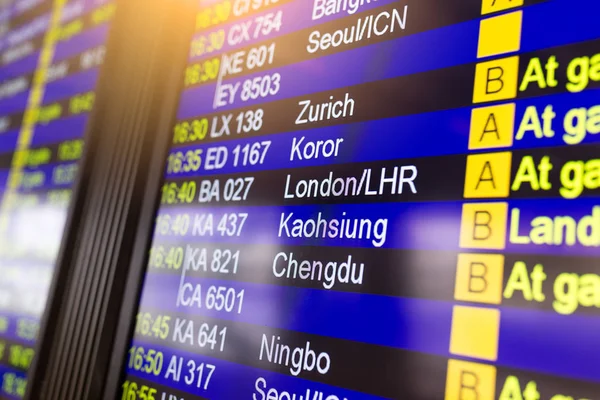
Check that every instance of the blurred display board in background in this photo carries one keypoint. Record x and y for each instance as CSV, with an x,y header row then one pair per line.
x,y
50,54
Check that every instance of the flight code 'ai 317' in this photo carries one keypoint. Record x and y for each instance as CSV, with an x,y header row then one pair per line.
x,y
152,363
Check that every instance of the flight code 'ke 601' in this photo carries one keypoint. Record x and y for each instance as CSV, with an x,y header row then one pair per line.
x,y
256,57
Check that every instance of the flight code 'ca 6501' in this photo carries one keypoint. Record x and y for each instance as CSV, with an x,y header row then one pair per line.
x,y
217,298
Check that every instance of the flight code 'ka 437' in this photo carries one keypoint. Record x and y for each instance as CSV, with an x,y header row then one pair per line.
x,y
206,224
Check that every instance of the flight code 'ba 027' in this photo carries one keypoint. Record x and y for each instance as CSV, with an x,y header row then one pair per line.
x,y
229,190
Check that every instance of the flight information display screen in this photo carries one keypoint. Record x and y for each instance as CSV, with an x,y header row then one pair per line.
x,y
50,52
379,200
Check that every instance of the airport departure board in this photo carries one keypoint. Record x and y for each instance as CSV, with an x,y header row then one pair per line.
x,y
50,52
377,199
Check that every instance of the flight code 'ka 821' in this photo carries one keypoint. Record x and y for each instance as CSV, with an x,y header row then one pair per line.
x,y
219,261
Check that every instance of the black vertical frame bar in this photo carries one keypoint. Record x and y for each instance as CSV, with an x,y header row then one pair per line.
x,y
149,207
100,266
